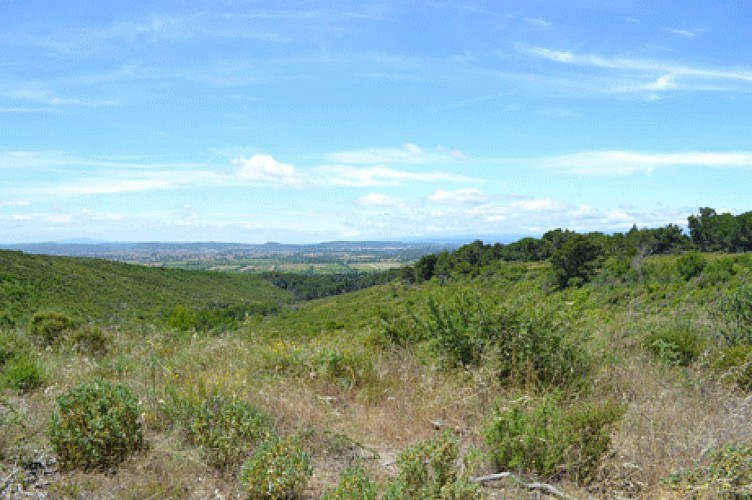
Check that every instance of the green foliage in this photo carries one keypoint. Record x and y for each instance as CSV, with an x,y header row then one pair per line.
x,y
277,469
724,472
224,428
733,314
734,365
19,365
96,426
547,437
22,373
524,347
429,470
675,346
576,261
90,340
47,328
690,265
353,484
107,292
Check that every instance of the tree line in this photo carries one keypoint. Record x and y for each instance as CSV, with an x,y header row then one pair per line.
x,y
574,256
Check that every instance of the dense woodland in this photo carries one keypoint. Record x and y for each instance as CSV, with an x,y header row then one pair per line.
x,y
577,365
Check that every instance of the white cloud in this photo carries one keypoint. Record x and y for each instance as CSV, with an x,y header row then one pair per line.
x,y
377,200
680,32
14,203
341,175
465,196
265,168
630,162
409,153
634,75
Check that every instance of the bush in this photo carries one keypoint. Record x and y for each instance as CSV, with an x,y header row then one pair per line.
x,y
90,339
47,328
353,483
548,438
225,429
734,315
22,373
96,426
676,347
690,265
429,470
575,262
734,365
19,367
279,468
724,473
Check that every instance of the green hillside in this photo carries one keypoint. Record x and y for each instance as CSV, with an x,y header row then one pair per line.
x,y
113,293
630,379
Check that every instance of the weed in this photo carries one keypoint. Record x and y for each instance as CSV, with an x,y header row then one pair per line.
x,y
46,328
724,473
675,346
353,483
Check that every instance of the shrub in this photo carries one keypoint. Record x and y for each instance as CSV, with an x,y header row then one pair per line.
x,y
575,262
90,339
676,347
429,470
345,366
690,265
47,328
19,367
548,438
96,426
225,429
724,473
353,483
279,468
734,365
734,315
22,373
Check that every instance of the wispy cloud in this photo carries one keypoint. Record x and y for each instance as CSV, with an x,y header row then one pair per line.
x,y
51,99
378,200
630,75
680,32
617,162
408,154
465,196
375,176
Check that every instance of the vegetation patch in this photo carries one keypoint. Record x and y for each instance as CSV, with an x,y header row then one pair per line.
x,y
96,426
724,472
279,468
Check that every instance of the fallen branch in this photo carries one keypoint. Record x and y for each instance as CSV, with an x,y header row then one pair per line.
x,y
547,488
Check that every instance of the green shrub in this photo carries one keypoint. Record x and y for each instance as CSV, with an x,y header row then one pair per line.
x,y
345,366
90,339
22,373
733,314
226,429
19,366
676,347
723,473
734,365
96,426
690,265
429,470
546,437
46,328
526,347
277,469
353,483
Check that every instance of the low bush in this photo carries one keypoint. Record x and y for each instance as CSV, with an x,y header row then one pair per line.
x,y
353,483
734,365
96,426
225,429
429,469
22,373
546,437
46,328
277,469
690,265
90,339
675,346
723,473
733,315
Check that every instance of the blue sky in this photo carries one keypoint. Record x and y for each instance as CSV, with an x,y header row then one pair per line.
x,y
308,121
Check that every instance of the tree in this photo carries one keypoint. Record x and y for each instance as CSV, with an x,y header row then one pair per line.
x,y
575,261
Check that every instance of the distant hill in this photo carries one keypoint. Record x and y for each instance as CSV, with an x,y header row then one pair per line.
x,y
156,251
113,292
